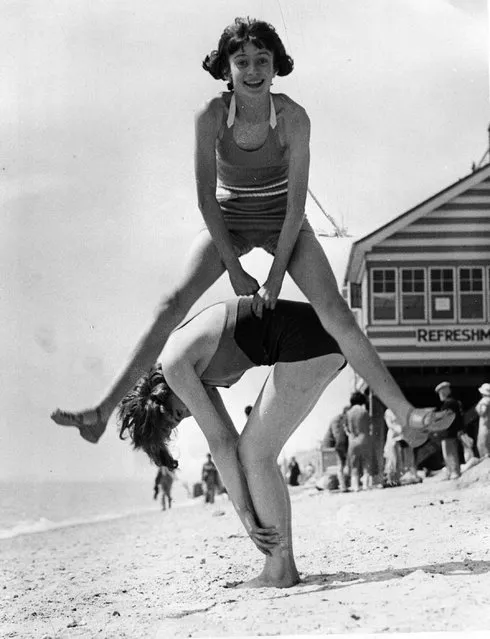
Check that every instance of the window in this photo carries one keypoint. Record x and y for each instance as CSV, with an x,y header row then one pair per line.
x,y
488,293
384,294
413,294
442,294
355,295
471,304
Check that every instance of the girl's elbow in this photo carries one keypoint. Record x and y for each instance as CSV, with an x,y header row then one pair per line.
x,y
205,200
172,371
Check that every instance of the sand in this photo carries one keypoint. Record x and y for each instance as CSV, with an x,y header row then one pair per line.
x,y
408,559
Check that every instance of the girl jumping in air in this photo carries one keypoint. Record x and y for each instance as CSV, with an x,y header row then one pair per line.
x,y
251,166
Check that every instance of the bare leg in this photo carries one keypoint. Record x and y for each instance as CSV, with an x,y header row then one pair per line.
x,y
341,471
311,271
289,394
204,267
483,441
392,462
355,465
410,461
451,457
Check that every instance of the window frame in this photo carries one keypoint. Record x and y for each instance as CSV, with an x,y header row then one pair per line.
x,y
487,291
375,321
472,320
447,320
426,295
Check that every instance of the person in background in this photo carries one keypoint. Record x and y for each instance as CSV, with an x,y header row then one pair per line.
x,y
310,471
293,472
336,437
359,452
163,482
209,478
400,465
450,437
483,411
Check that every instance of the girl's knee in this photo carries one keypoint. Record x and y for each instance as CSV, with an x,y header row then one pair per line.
x,y
244,453
335,309
339,307
252,455
175,305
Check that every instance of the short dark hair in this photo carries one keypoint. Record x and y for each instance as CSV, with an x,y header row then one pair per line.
x,y
358,398
235,36
142,415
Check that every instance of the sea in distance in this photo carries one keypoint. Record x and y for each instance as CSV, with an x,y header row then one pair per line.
x,y
29,507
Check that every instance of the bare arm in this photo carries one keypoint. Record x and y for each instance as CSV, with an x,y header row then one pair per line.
x,y
482,408
208,122
210,413
298,139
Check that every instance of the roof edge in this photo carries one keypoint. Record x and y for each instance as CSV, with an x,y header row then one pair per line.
x,y
362,245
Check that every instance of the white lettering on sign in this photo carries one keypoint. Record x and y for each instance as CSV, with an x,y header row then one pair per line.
x,y
460,335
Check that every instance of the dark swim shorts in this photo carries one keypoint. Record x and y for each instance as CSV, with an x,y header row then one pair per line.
x,y
291,332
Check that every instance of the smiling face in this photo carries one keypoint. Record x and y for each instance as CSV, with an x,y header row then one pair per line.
x,y
251,70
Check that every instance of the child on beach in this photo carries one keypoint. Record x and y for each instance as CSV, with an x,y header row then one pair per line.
x,y
251,166
215,348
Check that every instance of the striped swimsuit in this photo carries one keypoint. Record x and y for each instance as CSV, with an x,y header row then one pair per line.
x,y
252,187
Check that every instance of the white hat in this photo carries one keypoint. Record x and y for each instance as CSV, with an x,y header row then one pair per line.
x,y
485,389
442,385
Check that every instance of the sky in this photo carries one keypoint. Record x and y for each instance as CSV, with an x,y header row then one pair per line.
x,y
97,192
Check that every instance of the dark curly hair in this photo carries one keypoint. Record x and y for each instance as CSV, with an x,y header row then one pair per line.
x,y
142,417
358,398
235,36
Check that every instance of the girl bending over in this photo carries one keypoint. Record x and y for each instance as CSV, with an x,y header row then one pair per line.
x,y
215,348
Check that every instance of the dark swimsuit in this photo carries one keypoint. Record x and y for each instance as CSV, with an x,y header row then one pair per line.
x,y
291,332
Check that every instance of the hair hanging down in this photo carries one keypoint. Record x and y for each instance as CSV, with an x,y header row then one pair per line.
x,y
235,36
142,414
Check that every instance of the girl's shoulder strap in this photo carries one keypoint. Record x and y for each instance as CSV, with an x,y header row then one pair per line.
x,y
273,116
231,111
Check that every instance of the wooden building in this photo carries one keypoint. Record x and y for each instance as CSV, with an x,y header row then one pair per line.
x,y
420,288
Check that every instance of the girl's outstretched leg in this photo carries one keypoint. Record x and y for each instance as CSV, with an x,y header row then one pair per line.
x,y
289,394
204,267
311,271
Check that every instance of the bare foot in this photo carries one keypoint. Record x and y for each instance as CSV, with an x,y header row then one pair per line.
x,y
263,581
90,423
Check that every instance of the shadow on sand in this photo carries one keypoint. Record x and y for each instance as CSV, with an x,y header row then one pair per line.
x,y
344,579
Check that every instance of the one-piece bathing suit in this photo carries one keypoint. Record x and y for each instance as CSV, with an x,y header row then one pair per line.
x,y
291,332
252,186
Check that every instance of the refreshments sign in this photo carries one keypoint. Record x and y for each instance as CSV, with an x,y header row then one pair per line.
x,y
453,335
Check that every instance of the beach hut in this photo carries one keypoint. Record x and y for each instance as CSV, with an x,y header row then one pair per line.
x,y
420,289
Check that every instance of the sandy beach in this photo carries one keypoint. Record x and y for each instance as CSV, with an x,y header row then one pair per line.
x,y
408,559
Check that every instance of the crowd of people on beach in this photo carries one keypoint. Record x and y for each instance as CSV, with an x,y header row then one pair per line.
x,y
350,434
